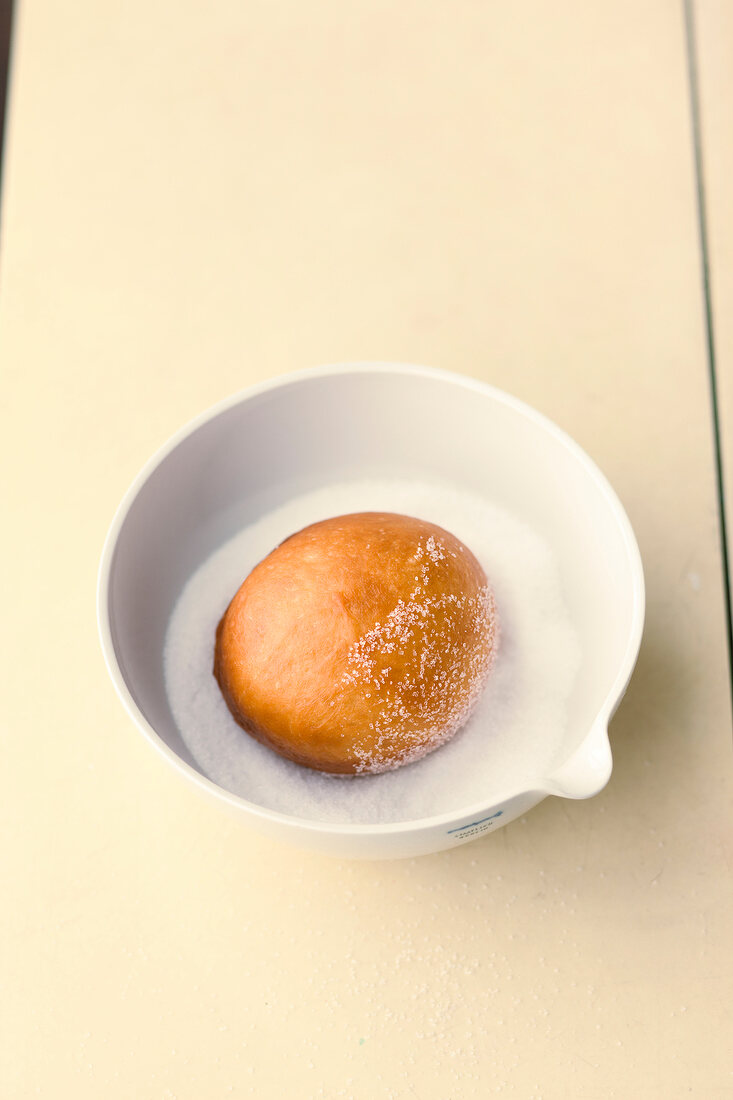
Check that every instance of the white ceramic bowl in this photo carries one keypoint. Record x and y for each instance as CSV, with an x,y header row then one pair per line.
x,y
261,447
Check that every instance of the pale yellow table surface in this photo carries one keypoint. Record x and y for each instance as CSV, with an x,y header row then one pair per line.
x,y
197,197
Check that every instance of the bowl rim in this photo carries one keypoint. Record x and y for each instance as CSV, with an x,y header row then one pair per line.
x,y
541,785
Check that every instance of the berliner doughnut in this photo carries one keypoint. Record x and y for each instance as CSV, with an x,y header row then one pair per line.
x,y
359,644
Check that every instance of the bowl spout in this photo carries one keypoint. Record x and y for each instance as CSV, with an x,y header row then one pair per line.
x,y
588,769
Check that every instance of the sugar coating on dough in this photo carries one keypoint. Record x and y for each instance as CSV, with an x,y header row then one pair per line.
x,y
449,680
357,645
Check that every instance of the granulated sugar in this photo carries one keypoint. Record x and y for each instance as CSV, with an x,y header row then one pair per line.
x,y
516,730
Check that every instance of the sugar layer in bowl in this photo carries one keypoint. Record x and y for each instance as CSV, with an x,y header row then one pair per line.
x,y
515,732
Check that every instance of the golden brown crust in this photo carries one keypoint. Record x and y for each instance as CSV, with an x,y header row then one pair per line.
x,y
359,643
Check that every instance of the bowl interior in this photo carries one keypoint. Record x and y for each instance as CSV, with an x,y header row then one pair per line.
x,y
330,427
